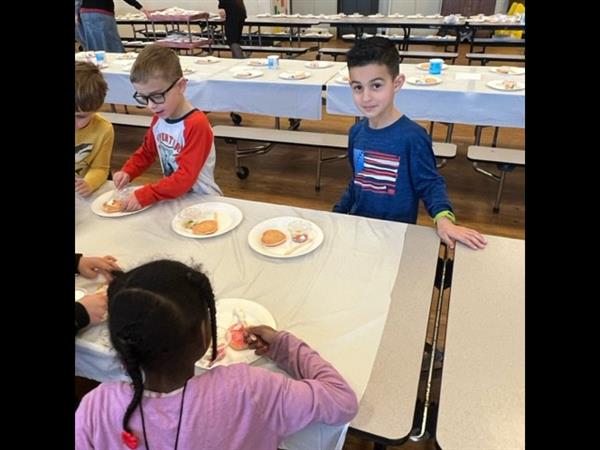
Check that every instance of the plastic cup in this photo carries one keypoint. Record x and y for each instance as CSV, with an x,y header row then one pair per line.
x,y
273,61
100,57
435,66
299,231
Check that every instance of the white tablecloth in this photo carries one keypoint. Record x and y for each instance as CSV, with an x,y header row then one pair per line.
x,y
269,94
335,298
458,99
213,88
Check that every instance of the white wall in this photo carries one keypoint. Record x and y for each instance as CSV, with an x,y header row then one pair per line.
x,y
314,6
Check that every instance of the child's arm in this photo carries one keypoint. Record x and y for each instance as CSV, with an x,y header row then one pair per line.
x,y
427,182
198,144
316,393
143,157
431,187
97,173
449,233
347,200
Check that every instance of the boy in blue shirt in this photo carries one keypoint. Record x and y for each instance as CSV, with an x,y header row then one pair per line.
x,y
392,158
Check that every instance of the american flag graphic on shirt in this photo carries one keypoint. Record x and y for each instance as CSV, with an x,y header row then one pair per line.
x,y
377,171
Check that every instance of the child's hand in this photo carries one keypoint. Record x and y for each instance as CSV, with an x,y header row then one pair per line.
x,y
259,338
222,13
120,179
96,306
82,188
91,266
449,233
132,203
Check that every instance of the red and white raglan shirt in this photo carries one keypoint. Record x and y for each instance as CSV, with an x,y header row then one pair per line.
x,y
186,151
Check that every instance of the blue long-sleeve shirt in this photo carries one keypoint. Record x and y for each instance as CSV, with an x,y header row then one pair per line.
x,y
392,168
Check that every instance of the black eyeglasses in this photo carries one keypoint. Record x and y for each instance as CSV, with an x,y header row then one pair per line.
x,y
157,98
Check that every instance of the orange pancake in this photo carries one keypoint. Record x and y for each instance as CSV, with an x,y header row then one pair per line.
x,y
272,238
208,226
112,206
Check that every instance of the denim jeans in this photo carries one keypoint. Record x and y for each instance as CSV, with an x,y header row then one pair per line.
x,y
99,32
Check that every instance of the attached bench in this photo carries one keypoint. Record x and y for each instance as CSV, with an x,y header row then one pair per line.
x,y
484,58
496,42
132,120
427,55
292,52
232,134
333,52
505,158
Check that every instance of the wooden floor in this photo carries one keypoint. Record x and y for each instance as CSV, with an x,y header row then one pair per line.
x,y
286,176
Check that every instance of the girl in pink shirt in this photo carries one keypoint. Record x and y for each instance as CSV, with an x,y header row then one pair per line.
x,y
162,319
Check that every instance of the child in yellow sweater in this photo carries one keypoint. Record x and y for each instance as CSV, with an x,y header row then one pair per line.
x,y
94,135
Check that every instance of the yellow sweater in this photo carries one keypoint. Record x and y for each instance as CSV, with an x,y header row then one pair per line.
x,y
93,147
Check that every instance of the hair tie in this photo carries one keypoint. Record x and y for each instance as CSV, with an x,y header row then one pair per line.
x,y
129,439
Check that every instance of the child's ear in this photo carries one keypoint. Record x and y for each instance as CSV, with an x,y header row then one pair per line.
x,y
399,81
183,84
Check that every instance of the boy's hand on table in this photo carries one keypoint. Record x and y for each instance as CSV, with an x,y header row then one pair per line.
x,y
449,233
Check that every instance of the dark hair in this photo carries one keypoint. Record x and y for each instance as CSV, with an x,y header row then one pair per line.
x,y
90,87
375,50
155,312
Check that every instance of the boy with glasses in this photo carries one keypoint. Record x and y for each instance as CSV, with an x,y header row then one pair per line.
x,y
94,135
179,134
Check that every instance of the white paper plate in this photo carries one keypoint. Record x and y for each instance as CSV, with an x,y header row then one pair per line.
x,y
257,62
424,80
97,204
246,74
208,60
255,313
127,56
296,75
288,249
228,217
318,64
501,86
508,70
425,66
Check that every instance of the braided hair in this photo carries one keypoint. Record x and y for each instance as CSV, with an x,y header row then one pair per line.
x,y
154,312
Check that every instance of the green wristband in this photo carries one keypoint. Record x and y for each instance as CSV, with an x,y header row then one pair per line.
x,y
446,213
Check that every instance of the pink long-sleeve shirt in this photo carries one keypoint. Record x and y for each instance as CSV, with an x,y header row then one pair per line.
x,y
227,408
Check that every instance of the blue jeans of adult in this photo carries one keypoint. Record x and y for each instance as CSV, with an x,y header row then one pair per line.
x,y
99,32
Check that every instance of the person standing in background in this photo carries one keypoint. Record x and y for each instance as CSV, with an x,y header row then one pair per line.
x,y
97,24
234,13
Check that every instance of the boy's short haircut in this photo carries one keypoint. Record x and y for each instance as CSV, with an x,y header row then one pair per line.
x,y
375,50
156,61
90,87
